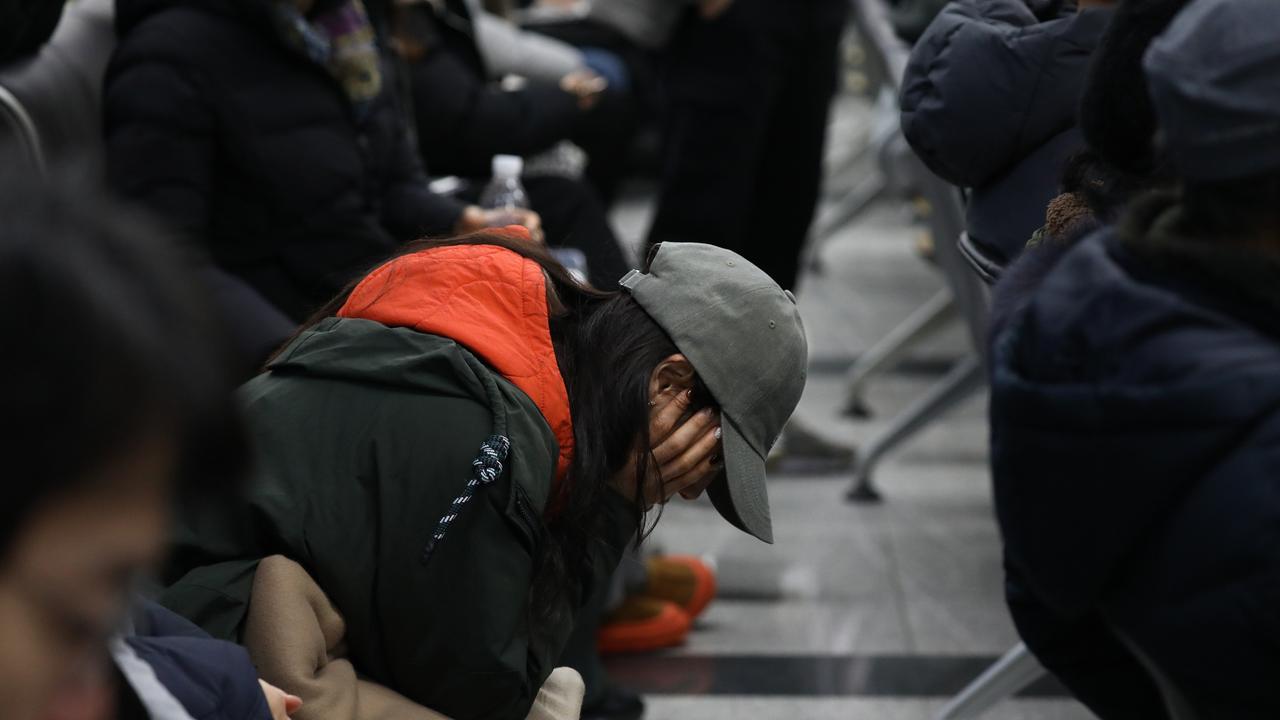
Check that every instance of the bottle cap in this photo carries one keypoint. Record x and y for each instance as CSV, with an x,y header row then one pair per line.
x,y
508,165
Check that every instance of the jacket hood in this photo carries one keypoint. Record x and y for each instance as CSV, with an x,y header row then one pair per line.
x,y
1116,388
989,82
486,298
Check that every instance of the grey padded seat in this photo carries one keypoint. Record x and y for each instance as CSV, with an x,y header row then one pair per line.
x,y
50,103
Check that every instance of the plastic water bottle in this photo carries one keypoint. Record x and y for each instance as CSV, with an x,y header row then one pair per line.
x,y
504,191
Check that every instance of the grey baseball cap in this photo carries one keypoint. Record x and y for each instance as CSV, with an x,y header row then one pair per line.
x,y
744,337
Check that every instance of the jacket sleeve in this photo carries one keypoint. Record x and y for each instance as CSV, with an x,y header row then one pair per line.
x,y
970,85
160,143
463,120
410,210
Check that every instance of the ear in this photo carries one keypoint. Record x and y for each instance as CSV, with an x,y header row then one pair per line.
x,y
674,374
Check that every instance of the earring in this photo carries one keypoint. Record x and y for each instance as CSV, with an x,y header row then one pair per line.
x,y
653,403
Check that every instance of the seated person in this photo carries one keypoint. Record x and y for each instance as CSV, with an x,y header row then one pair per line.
x,y
117,399
989,102
464,117
1136,406
459,471
633,31
265,133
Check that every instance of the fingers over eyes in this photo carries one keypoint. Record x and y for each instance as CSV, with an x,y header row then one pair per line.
x,y
689,435
674,405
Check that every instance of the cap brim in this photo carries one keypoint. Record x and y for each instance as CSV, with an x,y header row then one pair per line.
x,y
740,495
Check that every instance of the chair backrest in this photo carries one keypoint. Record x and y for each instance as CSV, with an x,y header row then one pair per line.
x,y
946,222
19,141
51,103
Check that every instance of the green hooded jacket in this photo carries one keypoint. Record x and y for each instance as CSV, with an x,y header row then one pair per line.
x,y
366,434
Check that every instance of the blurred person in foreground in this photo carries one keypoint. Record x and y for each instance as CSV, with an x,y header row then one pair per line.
x,y
458,448
1136,406
117,394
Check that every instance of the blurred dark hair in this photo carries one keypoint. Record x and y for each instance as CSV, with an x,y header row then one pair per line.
x,y
607,347
1116,115
106,337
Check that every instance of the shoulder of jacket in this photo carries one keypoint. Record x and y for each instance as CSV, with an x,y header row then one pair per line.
x,y
183,34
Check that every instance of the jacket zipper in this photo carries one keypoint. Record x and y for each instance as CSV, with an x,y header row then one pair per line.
x,y
527,515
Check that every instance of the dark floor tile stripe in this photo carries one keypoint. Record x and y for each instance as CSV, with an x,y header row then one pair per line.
x,y
809,675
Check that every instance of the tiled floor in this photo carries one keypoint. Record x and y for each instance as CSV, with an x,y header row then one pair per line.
x,y
910,589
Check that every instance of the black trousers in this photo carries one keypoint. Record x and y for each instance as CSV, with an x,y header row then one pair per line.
x,y
749,95
573,216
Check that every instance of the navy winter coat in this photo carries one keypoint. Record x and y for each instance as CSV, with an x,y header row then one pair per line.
x,y
989,102
1135,430
209,679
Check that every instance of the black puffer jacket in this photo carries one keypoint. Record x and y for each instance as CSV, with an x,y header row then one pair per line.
x,y
989,102
254,152
1135,430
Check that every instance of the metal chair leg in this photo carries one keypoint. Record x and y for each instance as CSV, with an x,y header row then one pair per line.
x,y
1010,674
925,320
958,384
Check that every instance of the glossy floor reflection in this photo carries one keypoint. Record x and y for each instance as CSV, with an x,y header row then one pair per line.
x,y
913,676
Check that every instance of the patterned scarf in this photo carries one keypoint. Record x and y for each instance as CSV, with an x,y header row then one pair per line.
x,y
340,39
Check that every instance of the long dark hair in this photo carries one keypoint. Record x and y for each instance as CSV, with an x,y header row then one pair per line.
x,y
607,347
106,337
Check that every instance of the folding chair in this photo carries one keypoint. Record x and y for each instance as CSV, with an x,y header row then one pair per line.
x,y
967,376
